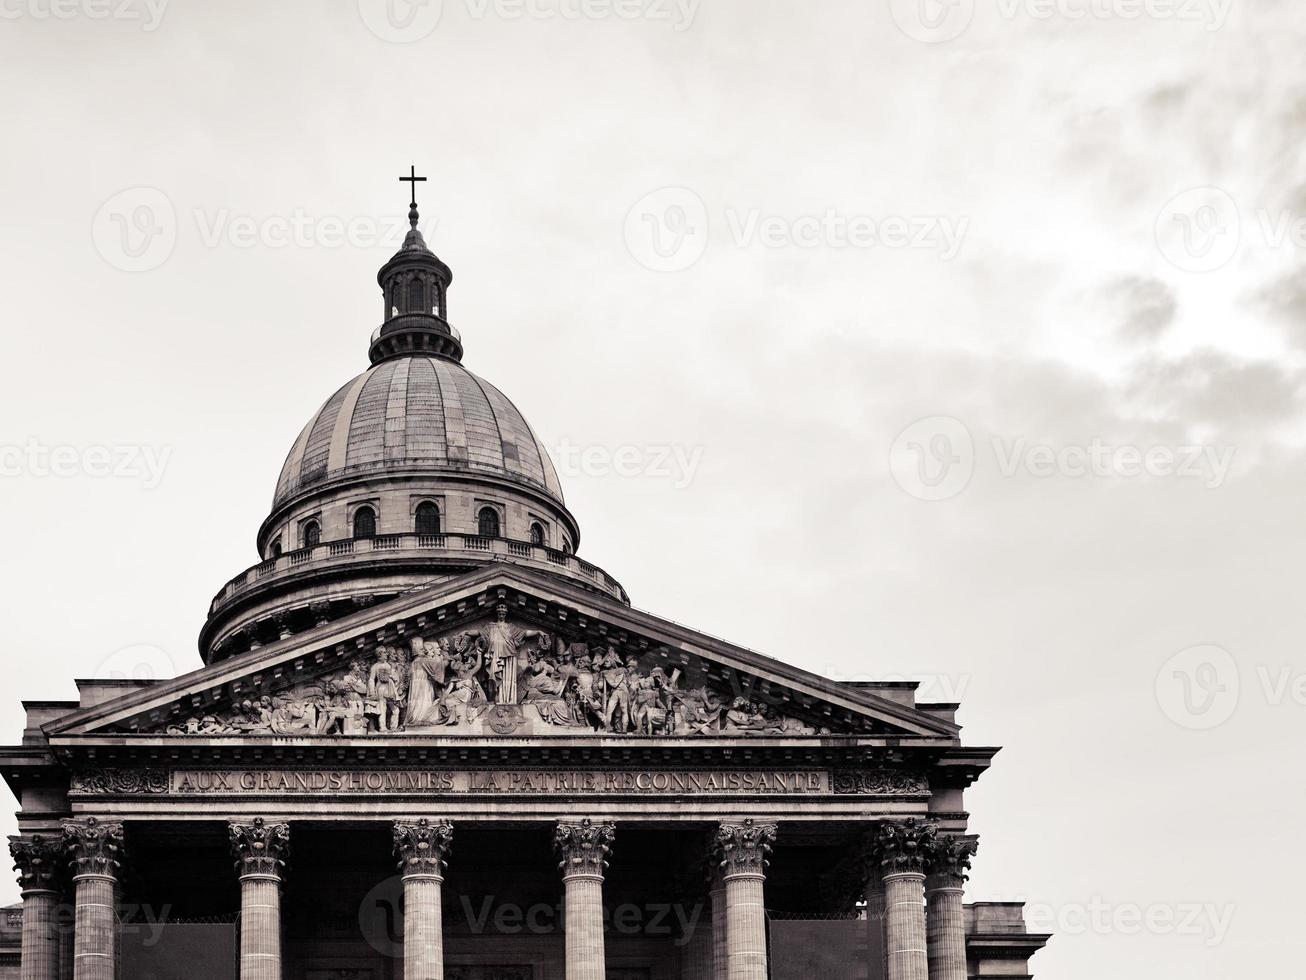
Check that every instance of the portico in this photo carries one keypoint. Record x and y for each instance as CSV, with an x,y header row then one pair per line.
x,y
559,910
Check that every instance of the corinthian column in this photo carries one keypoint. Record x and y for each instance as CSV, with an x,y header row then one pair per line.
x,y
949,860
903,849
743,849
260,849
39,863
583,854
95,854
423,849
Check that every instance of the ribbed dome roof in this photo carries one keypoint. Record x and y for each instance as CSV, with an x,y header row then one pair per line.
x,y
412,412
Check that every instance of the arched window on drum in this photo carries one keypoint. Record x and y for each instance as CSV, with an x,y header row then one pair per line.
x,y
427,519
364,523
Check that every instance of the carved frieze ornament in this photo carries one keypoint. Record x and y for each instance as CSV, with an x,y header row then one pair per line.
x,y
501,677
93,847
423,846
880,782
744,848
39,862
950,856
904,847
118,782
260,848
583,847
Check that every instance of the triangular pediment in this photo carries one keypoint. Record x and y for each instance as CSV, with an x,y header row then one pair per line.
x,y
502,652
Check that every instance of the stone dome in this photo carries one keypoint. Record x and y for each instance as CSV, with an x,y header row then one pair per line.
x,y
420,411
414,472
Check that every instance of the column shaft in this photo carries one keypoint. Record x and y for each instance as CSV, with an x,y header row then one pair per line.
x,y
66,947
904,899
583,917
696,947
719,944
423,927
40,950
745,927
945,928
95,943
260,927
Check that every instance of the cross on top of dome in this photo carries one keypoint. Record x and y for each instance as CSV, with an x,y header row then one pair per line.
x,y
414,284
412,180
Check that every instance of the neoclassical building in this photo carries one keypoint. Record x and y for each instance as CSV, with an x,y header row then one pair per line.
x,y
431,741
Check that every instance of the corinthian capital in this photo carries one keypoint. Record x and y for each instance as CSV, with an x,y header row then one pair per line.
x,y
950,856
260,848
906,846
39,862
583,847
93,848
744,848
423,847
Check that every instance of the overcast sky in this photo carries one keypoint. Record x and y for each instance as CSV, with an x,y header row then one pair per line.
x,y
961,343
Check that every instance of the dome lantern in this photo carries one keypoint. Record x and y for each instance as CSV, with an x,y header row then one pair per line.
x,y
414,289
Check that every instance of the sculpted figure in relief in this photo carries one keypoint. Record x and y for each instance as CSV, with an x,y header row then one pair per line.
x,y
386,689
427,682
465,698
502,643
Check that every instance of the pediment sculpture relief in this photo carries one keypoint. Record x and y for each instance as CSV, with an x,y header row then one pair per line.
x,y
503,678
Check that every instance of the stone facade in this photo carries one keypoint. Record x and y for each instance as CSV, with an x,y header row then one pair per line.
x,y
469,758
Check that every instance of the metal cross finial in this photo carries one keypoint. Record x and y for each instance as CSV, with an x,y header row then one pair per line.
x,y
412,180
